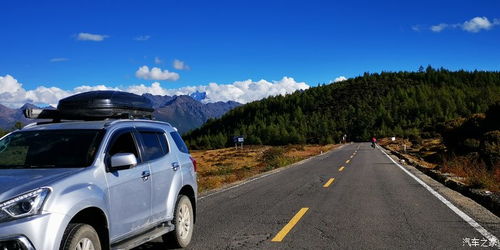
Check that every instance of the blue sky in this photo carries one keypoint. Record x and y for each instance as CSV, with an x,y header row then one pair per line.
x,y
53,43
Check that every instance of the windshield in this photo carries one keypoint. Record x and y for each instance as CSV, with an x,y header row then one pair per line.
x,y
49,148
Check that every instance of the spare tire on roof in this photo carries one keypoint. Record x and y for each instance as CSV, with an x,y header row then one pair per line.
x,y
97,105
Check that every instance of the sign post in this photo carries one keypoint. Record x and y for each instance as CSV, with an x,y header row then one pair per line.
x,y
238,140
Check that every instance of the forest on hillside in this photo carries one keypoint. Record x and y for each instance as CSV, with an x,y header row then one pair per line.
x,y
403,104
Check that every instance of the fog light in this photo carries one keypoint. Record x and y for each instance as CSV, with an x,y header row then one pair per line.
x,y
11,245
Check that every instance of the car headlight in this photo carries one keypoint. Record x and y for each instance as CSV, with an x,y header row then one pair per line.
x,y
26,204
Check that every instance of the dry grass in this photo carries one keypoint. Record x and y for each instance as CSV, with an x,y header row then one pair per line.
x,y
474,172
470,170
223,166
415,152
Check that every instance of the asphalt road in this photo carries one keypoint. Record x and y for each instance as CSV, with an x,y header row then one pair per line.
x,y
370,204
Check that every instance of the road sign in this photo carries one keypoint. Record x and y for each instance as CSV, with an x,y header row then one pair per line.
x,y
238,139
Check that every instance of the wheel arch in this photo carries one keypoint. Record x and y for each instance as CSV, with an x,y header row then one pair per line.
x,y
96,218
188,191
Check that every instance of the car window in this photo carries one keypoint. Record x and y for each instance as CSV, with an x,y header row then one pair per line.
x,y
151,146
49,148
124,144
163,142
179,142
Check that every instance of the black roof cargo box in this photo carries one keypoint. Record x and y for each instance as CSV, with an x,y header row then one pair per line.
x,y
97,105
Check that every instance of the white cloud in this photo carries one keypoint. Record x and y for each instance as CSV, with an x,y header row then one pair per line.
x,y
47,95
340,78
440,27
477,24
91,37
142,38
59,59
180,65
158,60
9,84
239,91
156,74
86,88
13,94
473,25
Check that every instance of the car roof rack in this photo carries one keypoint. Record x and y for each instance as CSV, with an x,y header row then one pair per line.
x,y
94,106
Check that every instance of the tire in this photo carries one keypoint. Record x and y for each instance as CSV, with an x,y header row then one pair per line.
x,y
183,222
80,236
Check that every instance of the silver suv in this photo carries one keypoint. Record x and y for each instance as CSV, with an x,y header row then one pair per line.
x,y
95,185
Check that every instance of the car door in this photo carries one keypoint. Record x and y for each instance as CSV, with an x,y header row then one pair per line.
x,y
129,189
164,167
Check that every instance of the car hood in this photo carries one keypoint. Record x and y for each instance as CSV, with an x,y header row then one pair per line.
x,y
14,182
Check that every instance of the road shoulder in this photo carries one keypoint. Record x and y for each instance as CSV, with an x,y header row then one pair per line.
x,y
479,213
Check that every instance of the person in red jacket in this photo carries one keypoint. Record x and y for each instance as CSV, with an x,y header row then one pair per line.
x,y
374,140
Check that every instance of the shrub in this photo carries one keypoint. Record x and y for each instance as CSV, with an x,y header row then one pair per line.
x,y
473,170
415,139
492,121
275,157
450,132
471,144
490,147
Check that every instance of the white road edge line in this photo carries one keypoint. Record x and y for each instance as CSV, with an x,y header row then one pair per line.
x,y
459,212
237,185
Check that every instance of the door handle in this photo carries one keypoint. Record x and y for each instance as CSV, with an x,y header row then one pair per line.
x,y
175,166
145,175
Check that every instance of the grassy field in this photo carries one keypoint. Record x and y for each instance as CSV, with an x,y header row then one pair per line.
x,y
223,166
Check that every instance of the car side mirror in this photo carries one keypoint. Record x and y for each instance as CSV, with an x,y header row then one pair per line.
x,y
123,161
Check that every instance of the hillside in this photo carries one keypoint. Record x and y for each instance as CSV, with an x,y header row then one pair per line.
x,y
409,104
466,147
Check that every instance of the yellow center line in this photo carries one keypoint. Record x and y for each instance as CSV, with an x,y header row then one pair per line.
x,y
286,229
347,161
341,168
352,156
329,182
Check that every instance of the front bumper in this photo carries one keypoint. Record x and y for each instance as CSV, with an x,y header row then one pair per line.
x,y
39,232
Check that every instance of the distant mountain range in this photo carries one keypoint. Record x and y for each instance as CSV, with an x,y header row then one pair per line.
x,y
9,117
183,112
